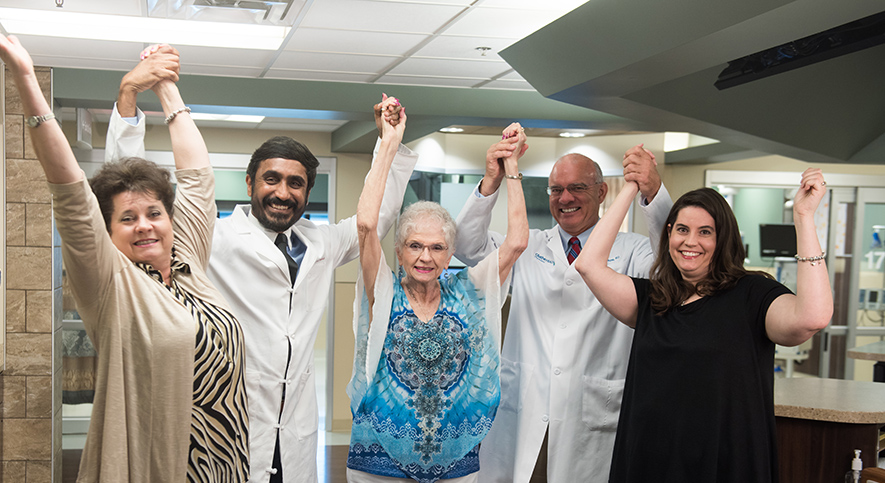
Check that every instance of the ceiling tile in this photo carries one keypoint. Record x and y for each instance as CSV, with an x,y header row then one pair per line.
x,y
428,81
458,47
82,49
450,68
77,63
333,62
487,22
222,70
351,41
135,8
512,76
213,56
561,6
379,16
508,85
320,76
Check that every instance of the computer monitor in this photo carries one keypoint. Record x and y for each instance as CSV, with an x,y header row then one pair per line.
x,y
777,240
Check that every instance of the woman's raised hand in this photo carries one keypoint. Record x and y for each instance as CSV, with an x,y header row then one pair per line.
x,y
514,134
15,56
393,118
811,190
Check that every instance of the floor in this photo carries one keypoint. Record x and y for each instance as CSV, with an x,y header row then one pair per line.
x,y
331,462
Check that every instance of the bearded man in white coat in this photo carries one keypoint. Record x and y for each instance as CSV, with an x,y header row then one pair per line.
x,y
280,316
564,358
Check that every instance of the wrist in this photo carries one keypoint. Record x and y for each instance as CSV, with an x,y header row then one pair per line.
x,y
489,184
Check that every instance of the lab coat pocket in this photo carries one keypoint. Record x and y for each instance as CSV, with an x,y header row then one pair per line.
x,y
306,406
515,380
602,403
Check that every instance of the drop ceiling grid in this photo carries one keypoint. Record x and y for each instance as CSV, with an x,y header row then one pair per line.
x,y
379,16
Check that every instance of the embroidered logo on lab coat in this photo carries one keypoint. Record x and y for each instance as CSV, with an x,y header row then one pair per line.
x,y
543,259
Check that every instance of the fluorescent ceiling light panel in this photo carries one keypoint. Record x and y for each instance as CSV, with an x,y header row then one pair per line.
x,y
122,28
200,116
571,134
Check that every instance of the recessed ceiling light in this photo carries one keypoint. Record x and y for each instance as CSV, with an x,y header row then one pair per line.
x,y
140,29
201,116
571,134
451,129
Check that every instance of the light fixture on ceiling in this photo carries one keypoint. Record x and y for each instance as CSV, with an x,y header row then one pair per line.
x,y
201,116
571,134
451,129
122,28
483,50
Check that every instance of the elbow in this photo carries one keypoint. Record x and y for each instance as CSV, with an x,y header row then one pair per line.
x,y
365,225
521,244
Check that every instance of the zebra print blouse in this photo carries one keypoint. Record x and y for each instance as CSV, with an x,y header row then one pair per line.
x,y
219,433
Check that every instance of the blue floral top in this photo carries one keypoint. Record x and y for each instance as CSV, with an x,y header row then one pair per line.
x,y
435,386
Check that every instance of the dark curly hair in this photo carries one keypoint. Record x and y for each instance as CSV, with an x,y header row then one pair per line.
x,y
284,147
131,174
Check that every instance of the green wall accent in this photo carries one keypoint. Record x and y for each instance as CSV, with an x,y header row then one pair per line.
x,y
755,206
230,185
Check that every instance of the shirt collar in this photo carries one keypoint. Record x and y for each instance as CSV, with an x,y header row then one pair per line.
x,y
565,237
270,234
176,266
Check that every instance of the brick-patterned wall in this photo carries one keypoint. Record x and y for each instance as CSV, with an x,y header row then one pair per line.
x,y
30,414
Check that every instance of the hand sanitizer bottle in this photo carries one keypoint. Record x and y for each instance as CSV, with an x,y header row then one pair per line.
x,y
853,476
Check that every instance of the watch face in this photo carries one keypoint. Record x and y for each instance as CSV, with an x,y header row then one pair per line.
x,y
33,121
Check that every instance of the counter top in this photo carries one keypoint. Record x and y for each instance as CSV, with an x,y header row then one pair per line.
x,y
869,352
834,400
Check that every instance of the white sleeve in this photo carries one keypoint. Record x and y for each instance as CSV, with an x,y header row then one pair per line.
x,y
124,139
473,240
656,214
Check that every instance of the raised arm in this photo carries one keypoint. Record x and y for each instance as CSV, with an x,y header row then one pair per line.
x,y
125,138
792,319
613,290
49,141
640,167
517,222
474,241
367,211
188,147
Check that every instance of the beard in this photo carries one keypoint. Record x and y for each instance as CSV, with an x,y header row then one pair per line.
x,y
277,222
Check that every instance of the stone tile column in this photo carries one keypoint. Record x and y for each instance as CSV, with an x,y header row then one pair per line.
x,y
30,418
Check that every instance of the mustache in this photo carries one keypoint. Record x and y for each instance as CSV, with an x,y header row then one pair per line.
x,y
273,200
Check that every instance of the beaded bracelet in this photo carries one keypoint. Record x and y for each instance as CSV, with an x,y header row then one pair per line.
x,y
513,176
170,117
811,259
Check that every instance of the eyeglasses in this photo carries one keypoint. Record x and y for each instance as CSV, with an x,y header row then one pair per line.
x,y
418,248
575,189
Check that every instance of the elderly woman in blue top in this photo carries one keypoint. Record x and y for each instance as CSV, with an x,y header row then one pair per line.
x,y
425,387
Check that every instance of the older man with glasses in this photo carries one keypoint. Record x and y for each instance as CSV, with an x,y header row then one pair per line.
x,y
564,358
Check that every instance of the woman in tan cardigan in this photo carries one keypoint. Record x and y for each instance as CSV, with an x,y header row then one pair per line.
x,y
170,402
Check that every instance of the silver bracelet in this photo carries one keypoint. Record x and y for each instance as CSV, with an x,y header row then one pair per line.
x,y
170,117
512,176
813,260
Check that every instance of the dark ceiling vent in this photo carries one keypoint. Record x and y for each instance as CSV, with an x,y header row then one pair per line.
x,y
844,39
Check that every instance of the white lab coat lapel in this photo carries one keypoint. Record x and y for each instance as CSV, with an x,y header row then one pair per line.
x,y
554,243
255,237
306,233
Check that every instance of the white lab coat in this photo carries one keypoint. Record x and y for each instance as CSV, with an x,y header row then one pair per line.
x,y
564,358
253,276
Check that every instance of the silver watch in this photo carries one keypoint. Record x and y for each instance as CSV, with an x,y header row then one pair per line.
x,y
35,121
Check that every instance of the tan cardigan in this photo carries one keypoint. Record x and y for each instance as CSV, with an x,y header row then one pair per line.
x,y
145,339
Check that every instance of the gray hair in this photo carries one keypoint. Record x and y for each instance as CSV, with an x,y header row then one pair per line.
x,y
422,212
